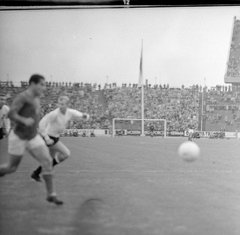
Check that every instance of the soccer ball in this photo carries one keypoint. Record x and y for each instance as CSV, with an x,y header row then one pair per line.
x,y
189,151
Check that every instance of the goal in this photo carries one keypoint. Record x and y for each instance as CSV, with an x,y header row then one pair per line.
x,y
129,126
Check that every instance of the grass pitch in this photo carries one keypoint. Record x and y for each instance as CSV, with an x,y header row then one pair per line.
x,y
128,186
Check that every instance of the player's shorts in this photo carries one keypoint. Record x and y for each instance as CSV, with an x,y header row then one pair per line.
x,y
55,140
1,133
17,146
190,131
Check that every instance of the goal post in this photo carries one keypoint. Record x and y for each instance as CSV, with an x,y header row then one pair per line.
x,y
125,123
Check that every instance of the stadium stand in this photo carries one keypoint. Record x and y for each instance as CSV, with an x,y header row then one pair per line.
x,y
233,66
223,109
176,105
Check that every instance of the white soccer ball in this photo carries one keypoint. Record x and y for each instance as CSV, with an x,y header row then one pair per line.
x,y
189,151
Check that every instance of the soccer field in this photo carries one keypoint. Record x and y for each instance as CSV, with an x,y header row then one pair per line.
x,y
128,186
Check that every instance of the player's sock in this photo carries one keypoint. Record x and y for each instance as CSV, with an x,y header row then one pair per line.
x,y
52,197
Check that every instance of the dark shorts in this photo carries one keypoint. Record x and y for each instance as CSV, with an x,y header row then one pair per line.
x,y
55,140
1,133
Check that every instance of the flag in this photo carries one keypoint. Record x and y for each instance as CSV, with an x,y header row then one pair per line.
x,y
140,81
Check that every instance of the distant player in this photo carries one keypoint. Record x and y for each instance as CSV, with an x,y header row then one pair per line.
x,y
4,120
92,134
151,130
84,134
52,126
119,133
190,131
24,112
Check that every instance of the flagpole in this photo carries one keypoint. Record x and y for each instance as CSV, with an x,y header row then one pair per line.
x,y
142,88
202,104
142,110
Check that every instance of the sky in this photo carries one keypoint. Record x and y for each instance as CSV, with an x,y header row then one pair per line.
x,y
180,45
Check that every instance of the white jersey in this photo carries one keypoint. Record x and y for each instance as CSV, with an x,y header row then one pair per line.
x,y
54,123
4,120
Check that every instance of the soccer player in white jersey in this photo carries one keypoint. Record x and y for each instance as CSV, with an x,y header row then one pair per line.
x,y
4,120
52,126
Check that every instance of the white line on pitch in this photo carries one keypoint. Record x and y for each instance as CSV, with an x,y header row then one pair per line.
x,y
149,171
142,171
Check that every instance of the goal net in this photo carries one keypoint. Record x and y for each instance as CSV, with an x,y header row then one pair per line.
x,y
129,126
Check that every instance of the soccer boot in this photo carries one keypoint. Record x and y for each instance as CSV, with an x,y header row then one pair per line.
x,y
54,199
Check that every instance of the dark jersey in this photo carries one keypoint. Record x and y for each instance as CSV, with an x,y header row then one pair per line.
x,y
190,126
26,106
151,128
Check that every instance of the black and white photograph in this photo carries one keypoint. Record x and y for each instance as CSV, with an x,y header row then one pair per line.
x,y
119,119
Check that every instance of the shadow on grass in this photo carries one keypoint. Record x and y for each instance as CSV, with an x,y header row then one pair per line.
x,y
91,218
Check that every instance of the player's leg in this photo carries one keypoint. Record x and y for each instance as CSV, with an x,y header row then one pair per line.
x,y
1,135
59,153
36,174
39,151
16,149
190,135
11,166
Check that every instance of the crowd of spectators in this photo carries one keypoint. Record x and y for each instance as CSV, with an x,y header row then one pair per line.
x,y
82,98
223,107
179,106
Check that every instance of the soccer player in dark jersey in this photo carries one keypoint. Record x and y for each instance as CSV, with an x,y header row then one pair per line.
x,y
24,112
152,130
190,131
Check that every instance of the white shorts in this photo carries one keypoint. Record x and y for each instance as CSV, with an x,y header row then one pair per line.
x,y
190,131
17,146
